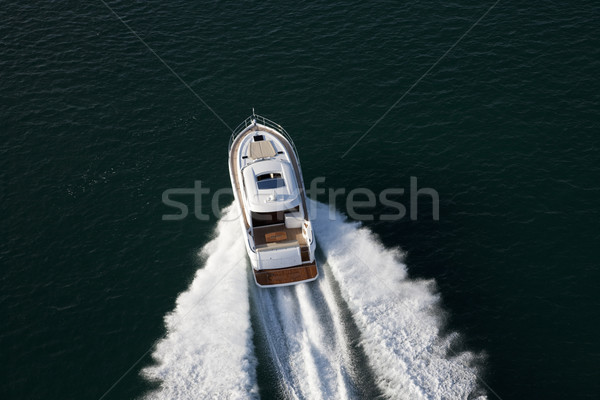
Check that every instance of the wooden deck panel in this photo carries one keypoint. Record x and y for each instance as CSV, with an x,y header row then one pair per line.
x,y
305,253
274,237
282,276
292,234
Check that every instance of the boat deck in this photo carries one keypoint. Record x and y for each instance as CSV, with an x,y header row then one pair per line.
x,y
262,235
286,276
234,166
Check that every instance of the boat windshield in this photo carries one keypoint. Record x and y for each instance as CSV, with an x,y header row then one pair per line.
x,y
272,183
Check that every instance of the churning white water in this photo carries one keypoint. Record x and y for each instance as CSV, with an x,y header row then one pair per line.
x,y
306,340
400,319
208,351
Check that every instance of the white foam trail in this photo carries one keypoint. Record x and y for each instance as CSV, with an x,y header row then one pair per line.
x,y
305,341
208,351
400,319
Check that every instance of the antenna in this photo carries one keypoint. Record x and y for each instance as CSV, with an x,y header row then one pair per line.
x,y
253,114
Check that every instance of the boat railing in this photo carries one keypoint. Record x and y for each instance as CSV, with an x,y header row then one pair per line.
x,y
253,120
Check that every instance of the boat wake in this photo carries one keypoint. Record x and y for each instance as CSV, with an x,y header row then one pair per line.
x,y
398,349
307,341
208,352
400,319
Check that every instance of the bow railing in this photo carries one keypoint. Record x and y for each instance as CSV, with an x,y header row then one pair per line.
x,y
252,121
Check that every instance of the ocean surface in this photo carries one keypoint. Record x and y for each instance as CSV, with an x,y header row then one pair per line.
x,y
105,105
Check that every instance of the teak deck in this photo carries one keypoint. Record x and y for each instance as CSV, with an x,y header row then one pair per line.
x,y
292,234
275,236
281,276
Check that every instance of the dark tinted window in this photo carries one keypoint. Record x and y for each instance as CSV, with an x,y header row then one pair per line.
x,y
272,183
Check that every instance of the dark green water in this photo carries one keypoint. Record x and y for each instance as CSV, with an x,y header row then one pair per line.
x,y
94,128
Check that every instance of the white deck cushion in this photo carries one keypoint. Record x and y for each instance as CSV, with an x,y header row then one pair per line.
x,y
262,149
293,220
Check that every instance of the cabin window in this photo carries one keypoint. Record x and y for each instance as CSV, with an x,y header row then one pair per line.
x,y
272,180
267,218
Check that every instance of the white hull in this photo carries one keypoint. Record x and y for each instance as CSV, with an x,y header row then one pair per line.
x,y
267,184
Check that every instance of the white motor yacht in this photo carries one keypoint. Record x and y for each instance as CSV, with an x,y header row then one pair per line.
x,y
267,184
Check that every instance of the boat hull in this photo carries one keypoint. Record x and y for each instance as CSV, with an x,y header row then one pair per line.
x,y
280,255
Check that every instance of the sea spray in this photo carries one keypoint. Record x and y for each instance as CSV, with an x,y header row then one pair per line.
x,y
208,351
399,319
306,351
